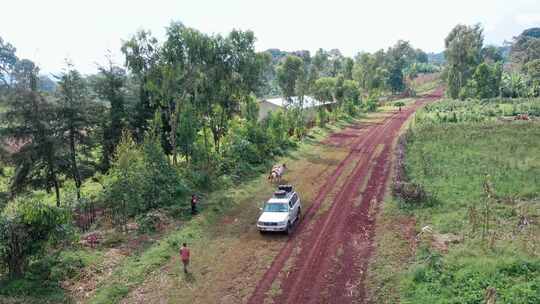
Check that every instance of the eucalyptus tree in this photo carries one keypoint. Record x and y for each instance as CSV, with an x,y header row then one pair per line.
x,y
142,53
399,57
463,54
289,75
182,62
8,59
241,68
370,71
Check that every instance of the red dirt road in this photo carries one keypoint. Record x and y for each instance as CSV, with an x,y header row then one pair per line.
x,y
326,259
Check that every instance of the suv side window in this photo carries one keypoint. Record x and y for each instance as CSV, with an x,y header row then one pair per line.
x,y
293,201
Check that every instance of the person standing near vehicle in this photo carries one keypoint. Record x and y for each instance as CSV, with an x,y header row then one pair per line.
x,y
194,201
184,256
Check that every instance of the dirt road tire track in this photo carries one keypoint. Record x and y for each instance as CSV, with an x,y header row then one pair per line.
x,y
319,273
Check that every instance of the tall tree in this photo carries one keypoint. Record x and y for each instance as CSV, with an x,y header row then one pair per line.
x,y
348,65
526,46
8,59
109,86
324,89
399,57
463,54
182,58
76,119
289,75
31,122
142,58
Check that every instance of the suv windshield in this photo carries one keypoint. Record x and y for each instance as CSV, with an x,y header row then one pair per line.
x,y
275,207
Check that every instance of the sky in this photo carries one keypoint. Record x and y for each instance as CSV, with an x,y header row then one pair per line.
x,y
49,32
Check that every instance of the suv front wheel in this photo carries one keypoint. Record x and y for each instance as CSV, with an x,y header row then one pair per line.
x,y
289,229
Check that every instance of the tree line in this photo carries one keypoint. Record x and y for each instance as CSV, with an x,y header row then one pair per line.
x,y
477,71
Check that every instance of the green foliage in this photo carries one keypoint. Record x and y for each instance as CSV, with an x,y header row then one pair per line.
x,y
322,117
25,230
246,145
32,119
464,279
485,82
324,88
372,103
148,222
455,111
526,47
513,85
8,59
277,127
463,54
289,75
187,130
146,169
75,120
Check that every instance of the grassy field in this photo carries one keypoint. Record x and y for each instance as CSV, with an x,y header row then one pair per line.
x,y
482,175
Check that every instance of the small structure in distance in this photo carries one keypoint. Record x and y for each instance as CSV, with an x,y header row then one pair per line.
x,y
310,105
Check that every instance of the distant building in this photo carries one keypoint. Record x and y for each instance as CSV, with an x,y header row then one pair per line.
x,y
310,104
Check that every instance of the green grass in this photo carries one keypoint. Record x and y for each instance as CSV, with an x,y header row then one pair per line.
x,y
451,159
40,284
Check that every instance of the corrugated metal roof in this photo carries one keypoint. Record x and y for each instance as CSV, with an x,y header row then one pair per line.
x,y
309,102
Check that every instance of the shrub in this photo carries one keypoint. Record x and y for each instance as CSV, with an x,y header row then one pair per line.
x,y
25,230
371,105
411,193
322,117
141,179
148,222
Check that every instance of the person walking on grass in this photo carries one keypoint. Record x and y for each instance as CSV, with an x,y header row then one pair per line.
x,y
194,201
184,256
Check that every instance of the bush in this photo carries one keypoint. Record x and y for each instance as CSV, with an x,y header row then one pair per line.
x,y
322,117
141,179
372,105
412,193
25,231
148,223
245,145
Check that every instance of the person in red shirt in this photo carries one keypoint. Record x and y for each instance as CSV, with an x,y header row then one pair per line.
x,y
184,256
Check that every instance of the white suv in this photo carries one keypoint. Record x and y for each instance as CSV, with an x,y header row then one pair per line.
x,y
281,211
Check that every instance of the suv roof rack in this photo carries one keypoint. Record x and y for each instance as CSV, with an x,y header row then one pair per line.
x,y
286,188
280,194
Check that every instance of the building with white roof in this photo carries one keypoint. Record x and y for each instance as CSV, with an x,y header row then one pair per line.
x,y
310,104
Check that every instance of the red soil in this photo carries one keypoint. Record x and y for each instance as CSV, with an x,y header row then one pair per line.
x,y
334,252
